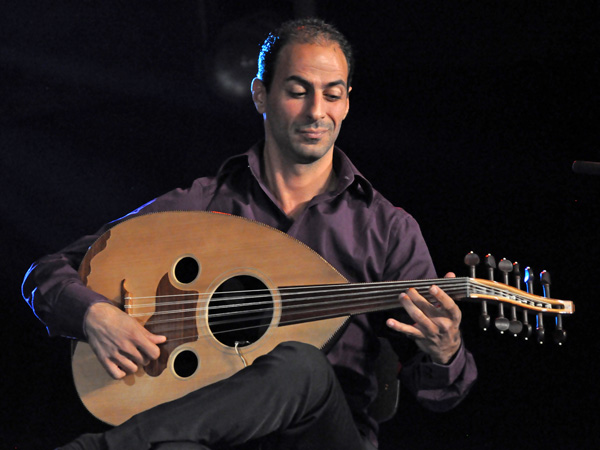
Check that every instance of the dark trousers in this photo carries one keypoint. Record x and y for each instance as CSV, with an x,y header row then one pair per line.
x,y
288,399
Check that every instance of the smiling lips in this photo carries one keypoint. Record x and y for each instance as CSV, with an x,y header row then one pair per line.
x,y
313,133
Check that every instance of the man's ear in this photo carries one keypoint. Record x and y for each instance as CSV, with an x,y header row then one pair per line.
x,y
347,102
259,95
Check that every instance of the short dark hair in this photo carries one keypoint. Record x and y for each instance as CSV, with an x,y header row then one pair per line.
x,y
305,31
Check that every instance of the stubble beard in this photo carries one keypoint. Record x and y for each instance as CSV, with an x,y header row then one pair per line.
x,y
308,151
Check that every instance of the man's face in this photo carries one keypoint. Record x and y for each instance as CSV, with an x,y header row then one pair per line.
x,y
307,102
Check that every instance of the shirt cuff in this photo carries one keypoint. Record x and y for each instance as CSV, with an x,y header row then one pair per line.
x,y
74,303
435,375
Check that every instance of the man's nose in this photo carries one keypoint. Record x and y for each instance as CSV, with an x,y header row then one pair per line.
x,y
316,109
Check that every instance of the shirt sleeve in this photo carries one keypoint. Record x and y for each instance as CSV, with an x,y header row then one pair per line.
x,y
52,286
440,387
437,387
408,257
54,291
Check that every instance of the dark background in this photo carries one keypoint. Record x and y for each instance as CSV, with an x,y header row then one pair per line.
x,y
467,114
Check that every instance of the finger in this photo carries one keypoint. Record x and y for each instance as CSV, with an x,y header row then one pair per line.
x,y
140,348
113,369
450,275
148,345
109,357
408,330
156,338
132,354
422,320
429,308
449,306
125,364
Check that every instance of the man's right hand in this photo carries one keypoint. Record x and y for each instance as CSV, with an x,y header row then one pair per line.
x,y
120,342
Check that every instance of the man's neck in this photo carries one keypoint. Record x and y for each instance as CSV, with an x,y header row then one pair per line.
x,y
295,185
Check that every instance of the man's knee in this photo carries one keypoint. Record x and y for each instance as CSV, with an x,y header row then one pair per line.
x,y
299,362
298,355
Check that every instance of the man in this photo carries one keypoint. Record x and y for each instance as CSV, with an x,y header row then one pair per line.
x,y
298,182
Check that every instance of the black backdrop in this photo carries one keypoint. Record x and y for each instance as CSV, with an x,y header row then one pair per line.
x,y
467,114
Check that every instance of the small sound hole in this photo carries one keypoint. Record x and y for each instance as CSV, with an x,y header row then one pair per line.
x,y
240,311
186,270
185,364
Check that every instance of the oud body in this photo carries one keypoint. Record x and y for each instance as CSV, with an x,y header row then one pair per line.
x,y
143,266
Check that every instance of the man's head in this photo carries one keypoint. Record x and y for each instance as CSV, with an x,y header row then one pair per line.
x,y
307,95
302,31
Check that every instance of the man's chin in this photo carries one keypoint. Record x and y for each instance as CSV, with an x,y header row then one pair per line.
x,y
309,158
309,153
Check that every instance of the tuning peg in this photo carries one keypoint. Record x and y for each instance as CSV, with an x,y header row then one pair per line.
x,y
528,279
560,335
502,323
540,331
490,263
527,327
546,281
506,267
517,274
484,318
516,326
471,260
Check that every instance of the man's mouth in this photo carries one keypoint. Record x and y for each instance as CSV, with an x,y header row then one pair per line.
x,y
313,133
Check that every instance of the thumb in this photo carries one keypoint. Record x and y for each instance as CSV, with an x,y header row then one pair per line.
x,y
155,338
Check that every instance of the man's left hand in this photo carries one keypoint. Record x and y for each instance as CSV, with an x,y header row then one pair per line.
x,y
436,330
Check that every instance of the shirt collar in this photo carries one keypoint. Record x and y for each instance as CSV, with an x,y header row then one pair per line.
x,y
349,178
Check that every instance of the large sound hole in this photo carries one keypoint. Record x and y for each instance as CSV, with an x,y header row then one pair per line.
x,y
240,311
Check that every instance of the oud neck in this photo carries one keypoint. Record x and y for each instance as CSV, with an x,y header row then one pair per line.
x,y
307,303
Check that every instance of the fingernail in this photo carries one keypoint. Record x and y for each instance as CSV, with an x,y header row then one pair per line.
x,y
433,290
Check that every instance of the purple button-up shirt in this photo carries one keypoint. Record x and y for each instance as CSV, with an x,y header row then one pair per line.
x,y
353,227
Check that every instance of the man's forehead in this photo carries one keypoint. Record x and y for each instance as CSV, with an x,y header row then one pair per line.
x,y
297,60
305,82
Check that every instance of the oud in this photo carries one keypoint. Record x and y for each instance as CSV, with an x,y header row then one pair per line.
x,y
226,290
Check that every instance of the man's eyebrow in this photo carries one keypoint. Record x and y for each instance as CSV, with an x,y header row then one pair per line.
x,y
306,83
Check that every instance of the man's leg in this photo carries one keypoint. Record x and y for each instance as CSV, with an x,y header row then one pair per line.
x,y
290,395
179,446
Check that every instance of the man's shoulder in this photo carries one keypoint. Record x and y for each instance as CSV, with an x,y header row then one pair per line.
x,y
205,185
383,207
